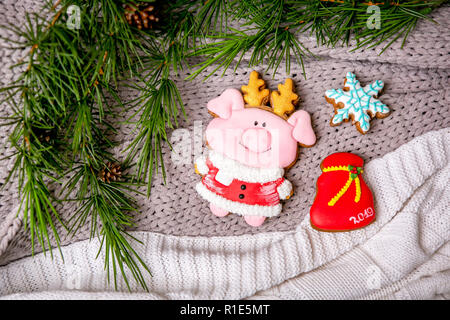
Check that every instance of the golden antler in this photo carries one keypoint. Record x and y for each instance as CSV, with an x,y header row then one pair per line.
x,y
255,93
284,101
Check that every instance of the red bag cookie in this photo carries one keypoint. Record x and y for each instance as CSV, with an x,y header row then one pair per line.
x,y
343,201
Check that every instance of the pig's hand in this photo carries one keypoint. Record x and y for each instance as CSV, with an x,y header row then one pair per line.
x,y
224,178
200,166
285,189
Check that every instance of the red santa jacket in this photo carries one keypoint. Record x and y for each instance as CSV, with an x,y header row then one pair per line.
x,y
241,189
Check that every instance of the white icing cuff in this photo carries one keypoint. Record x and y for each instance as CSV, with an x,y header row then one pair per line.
x,y
200,163
224,178
242,209
285,189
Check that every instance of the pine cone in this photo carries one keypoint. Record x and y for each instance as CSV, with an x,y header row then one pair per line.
x,y
111,172
141,15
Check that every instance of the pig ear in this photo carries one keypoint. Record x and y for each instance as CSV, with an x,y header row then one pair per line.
x,y
223,105
302,132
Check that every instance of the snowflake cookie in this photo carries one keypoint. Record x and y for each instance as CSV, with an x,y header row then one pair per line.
x,y
356,102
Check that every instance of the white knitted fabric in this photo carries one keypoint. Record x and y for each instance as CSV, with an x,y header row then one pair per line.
x,y
405,253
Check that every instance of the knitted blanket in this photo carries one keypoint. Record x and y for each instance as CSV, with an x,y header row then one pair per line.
x,y
177,227
405,253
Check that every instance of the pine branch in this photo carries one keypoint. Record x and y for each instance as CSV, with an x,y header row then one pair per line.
x,y
35,163
38,101
212,16
160,104
275,46
278,24
70,76
107,205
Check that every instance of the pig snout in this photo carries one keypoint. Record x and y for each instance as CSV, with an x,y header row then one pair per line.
x,y
256,139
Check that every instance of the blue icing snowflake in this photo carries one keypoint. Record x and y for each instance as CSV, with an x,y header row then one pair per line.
x,y
359,103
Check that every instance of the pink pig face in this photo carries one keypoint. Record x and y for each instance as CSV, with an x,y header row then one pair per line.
x,y
255,136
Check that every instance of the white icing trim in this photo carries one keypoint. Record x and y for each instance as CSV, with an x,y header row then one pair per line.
x,y
202,168
242,172
242,209
224,177
284,190
358,102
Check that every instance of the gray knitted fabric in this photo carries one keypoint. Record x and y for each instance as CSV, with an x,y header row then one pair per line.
x,y
416,89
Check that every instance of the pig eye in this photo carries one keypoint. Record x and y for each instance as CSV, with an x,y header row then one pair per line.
x,y
256,123
264,124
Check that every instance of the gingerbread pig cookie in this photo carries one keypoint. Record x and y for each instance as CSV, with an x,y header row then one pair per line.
x,y
250,145
356,103
343,201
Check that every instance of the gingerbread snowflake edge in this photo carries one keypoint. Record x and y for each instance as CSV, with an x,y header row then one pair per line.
x,y
357,103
